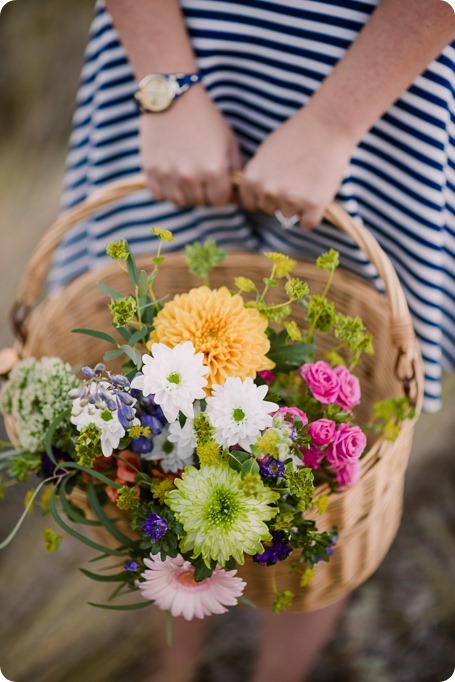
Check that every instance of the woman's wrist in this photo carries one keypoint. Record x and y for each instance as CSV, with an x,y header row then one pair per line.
x,y
332,128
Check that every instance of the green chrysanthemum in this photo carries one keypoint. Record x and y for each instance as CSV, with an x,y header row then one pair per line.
x,y
221,520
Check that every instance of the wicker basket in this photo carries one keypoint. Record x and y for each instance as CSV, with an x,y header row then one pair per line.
x,y
367,515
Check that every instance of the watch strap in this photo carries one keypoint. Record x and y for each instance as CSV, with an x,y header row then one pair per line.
x,y
186,80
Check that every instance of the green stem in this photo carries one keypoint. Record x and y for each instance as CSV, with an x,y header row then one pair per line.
x,y
329,283
267,286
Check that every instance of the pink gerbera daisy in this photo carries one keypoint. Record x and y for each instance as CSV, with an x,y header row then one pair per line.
x,y
171,585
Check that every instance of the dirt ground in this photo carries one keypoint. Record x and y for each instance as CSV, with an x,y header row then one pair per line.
x,y
398,627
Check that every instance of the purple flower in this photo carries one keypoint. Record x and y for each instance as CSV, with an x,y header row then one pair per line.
x,y
154,421
276,550
271,467
131,566
155,526
142,445
48,466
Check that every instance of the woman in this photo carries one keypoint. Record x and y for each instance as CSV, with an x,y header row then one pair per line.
x,y
311,99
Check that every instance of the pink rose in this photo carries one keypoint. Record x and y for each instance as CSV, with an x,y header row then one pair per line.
x,y
312,457
293,412
348,475
322,431
349,394
267,376
322,381
348,444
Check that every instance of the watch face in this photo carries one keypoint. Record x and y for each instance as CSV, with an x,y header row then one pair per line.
x,y
156,94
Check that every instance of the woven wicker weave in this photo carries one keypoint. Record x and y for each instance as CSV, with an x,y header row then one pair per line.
x,y
368,515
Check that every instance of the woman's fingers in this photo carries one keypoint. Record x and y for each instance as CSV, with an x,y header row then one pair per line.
x,y
188,152
218,187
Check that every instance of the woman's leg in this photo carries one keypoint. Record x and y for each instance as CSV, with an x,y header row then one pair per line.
x,y
180,661
291,643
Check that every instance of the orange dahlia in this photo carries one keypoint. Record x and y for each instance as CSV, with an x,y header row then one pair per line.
x,y
232,337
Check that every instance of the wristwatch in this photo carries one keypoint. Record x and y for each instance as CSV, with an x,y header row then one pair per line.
x,y
157,91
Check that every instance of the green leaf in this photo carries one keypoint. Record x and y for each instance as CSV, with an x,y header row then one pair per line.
x,y
118,577
169,628
143,283
97,334
16,528
288,356
91,472
249,467
51,432
100,557
247,601
201,572
237,459
72,513
121,607
112,293
137,336
131,266
112,354
7,454
124,333
85,540
133,354
108,524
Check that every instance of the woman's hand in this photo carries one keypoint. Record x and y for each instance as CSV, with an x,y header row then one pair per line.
x,y
188,152
297,169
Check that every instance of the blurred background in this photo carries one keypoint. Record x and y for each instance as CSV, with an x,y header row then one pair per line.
x,y
398,627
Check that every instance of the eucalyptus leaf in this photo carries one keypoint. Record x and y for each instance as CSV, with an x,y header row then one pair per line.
x,y
131,266
138,336
112,293
143,283
112,354
133,354
97,334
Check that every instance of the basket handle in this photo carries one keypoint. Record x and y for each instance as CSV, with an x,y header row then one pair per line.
x,y
402,333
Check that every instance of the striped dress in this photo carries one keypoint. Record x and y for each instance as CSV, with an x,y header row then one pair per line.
x,y
261,61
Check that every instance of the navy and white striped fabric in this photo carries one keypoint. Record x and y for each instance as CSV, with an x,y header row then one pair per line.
x,y
261,61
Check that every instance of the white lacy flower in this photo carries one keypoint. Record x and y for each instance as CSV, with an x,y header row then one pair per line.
x,y
175,377
238,412
174,447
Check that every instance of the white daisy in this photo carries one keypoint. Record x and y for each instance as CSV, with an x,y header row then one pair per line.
x,y
175,377
238,412
106,420
174,447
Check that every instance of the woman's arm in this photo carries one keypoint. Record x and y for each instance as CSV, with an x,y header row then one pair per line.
x,y
187,151
300,166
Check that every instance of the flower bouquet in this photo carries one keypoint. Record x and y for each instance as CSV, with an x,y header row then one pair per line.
x,y
209,437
